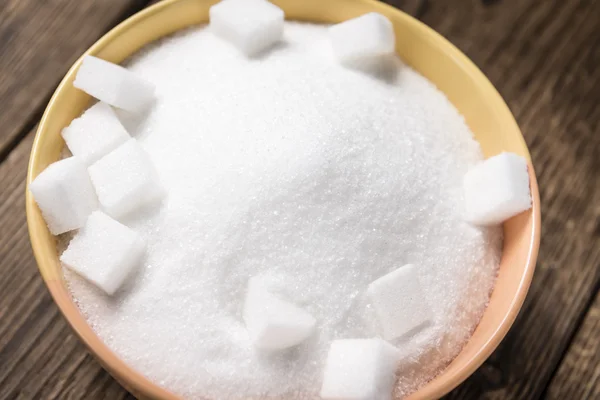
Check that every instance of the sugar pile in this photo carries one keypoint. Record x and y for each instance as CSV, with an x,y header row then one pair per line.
x,y
317,178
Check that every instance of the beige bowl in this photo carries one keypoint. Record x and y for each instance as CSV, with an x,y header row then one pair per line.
x,y
426,51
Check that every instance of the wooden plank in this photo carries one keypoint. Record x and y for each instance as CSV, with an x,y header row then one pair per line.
x,y
411,7
39,40
542,57
579,374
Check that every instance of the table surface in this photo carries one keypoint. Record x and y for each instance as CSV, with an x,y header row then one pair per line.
x,y
543,57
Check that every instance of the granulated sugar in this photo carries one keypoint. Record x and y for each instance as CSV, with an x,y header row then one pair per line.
x,y
320,179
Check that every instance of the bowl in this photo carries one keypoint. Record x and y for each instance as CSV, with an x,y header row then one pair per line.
x,y
419,46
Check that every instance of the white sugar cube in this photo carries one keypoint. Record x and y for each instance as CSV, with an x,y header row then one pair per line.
x,y
497,189
104,252
399,303
93,135
113,84
125,180
64,194
360,369
251,25
273,323
363,39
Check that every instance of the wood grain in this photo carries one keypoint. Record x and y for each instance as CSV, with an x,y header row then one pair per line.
x,y
39,40
412,7
542,56
579,374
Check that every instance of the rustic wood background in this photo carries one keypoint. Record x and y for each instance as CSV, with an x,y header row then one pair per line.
x,y
542,55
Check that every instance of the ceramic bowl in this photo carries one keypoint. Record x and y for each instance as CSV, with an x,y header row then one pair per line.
x,y
419,46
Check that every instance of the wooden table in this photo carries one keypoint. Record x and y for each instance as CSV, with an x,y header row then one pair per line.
x,y
544,58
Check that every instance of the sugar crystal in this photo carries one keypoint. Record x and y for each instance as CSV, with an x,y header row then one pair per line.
x,y
324,179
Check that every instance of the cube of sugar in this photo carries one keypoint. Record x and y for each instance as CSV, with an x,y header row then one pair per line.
x,y
273,323
125,180
250,25
360,369
113,84
497,189
93,135
399,303
362,39
64,194
104,252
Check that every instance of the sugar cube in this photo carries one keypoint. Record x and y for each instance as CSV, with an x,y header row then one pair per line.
x,y
497,189
64,194
250,25
273,323
360,369
363,39
104,252
97,132
399,303
125,180
113,84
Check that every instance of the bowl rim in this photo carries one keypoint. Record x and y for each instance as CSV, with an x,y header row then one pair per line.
x,y
138,384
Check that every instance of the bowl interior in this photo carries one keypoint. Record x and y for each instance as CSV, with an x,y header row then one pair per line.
x,y
467,88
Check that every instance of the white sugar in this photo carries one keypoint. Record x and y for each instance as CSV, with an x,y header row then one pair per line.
x,y
318,177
